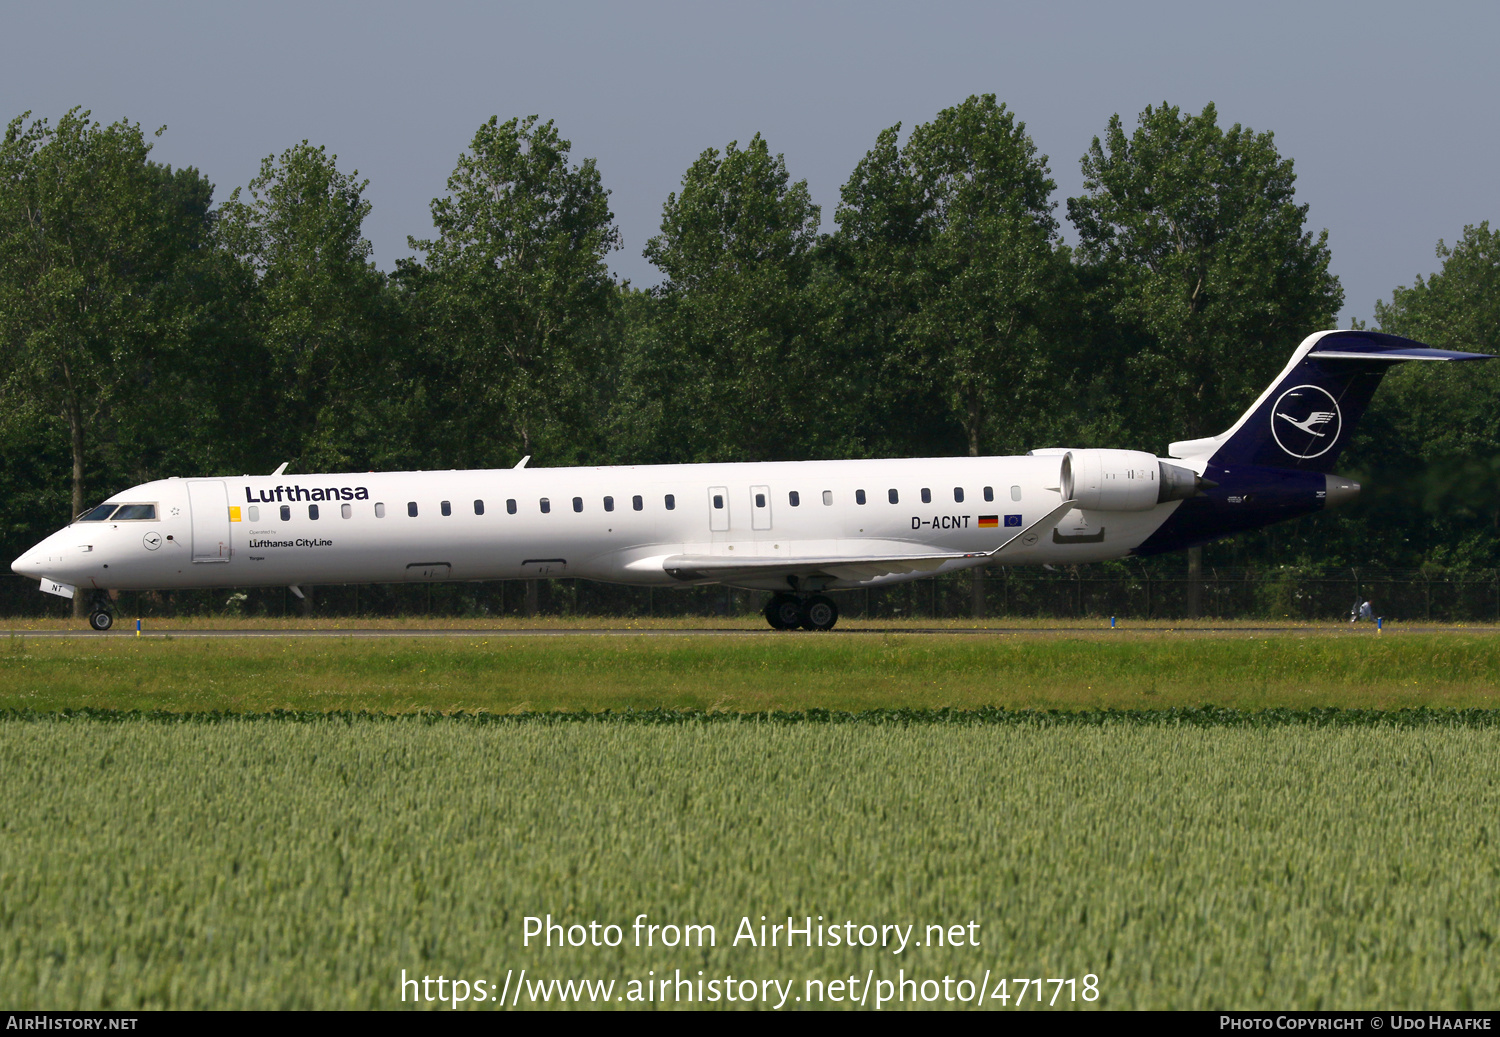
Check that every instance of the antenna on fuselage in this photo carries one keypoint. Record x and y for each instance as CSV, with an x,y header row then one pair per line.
x,y
519,464
282,468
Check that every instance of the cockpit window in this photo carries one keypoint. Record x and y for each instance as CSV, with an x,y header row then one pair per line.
x,y
138,512
98,514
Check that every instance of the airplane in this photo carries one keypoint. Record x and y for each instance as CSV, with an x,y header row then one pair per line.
x,y
794,528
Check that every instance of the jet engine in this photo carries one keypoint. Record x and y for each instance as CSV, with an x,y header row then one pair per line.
x,y
1124,480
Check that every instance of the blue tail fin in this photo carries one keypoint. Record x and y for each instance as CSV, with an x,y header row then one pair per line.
x,y
1306,417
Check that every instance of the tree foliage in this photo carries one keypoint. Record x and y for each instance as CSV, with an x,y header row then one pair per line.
x,y
736,355
952,245
98,299
320,308
1208,262
144,333
516,296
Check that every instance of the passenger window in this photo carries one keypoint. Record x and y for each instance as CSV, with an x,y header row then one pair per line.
x,y
510,506
958,494
546,506
895,498
794,499
446,509
411,508
718,502
479,507
637,503
989,493
346,510
380,510
609,504
671,502
254,513
859,496
286,513
1015,493
577,503
827,498
760,500
312,512
926,495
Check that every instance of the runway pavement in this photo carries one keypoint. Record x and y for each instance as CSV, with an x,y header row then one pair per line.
x,y
1361,630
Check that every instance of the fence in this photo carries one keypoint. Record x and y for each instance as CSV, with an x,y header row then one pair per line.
x,y
1127,590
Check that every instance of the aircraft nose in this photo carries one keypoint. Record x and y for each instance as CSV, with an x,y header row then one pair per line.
x,y
26,565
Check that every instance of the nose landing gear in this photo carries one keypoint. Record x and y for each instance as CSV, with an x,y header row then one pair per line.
x,y
788,612
100,617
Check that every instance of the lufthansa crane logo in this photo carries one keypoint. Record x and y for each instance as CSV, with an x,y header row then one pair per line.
x,y
1306,421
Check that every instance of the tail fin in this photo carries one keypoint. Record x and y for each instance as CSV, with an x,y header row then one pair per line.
x,y
1306,417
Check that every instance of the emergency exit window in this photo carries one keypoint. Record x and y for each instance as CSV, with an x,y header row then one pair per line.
x,y
346,510
254,513
1015,493
380,511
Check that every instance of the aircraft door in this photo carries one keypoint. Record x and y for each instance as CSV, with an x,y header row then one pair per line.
x,y
718,509
208,502
760,507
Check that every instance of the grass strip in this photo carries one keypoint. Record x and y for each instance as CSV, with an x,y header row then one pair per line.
x,y
1193,716
572,673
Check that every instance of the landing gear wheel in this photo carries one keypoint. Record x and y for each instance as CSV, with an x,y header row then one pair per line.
x,y
783,612
819,612
101,620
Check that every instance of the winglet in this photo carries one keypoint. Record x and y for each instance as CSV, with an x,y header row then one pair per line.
x,y
282,468
1032,534
522,463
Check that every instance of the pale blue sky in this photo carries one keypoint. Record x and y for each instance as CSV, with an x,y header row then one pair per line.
x,y
1386,108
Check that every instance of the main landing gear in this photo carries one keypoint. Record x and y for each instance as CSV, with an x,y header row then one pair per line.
x,y
814,612
100,617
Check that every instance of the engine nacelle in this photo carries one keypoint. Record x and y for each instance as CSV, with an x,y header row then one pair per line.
x,y
1123,480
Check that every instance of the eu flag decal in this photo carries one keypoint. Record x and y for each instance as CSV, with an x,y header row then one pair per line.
x,y
988,520
1013,520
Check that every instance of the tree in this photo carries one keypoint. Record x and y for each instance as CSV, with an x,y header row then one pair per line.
x,y
515,295
1432,437
734,357
95,299
321,308
1208,260
1207,265
952,242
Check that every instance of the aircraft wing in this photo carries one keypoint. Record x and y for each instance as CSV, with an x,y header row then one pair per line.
x,y
719,568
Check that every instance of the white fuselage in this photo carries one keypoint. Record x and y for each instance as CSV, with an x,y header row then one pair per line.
x,y
618,524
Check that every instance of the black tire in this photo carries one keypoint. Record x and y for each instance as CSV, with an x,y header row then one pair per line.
x,y
819,612
783,612
101,620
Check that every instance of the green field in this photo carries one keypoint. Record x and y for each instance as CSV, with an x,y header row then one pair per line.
x,y
497,673
1175,812
259,863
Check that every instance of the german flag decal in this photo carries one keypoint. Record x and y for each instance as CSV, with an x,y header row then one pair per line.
x,y
988,521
